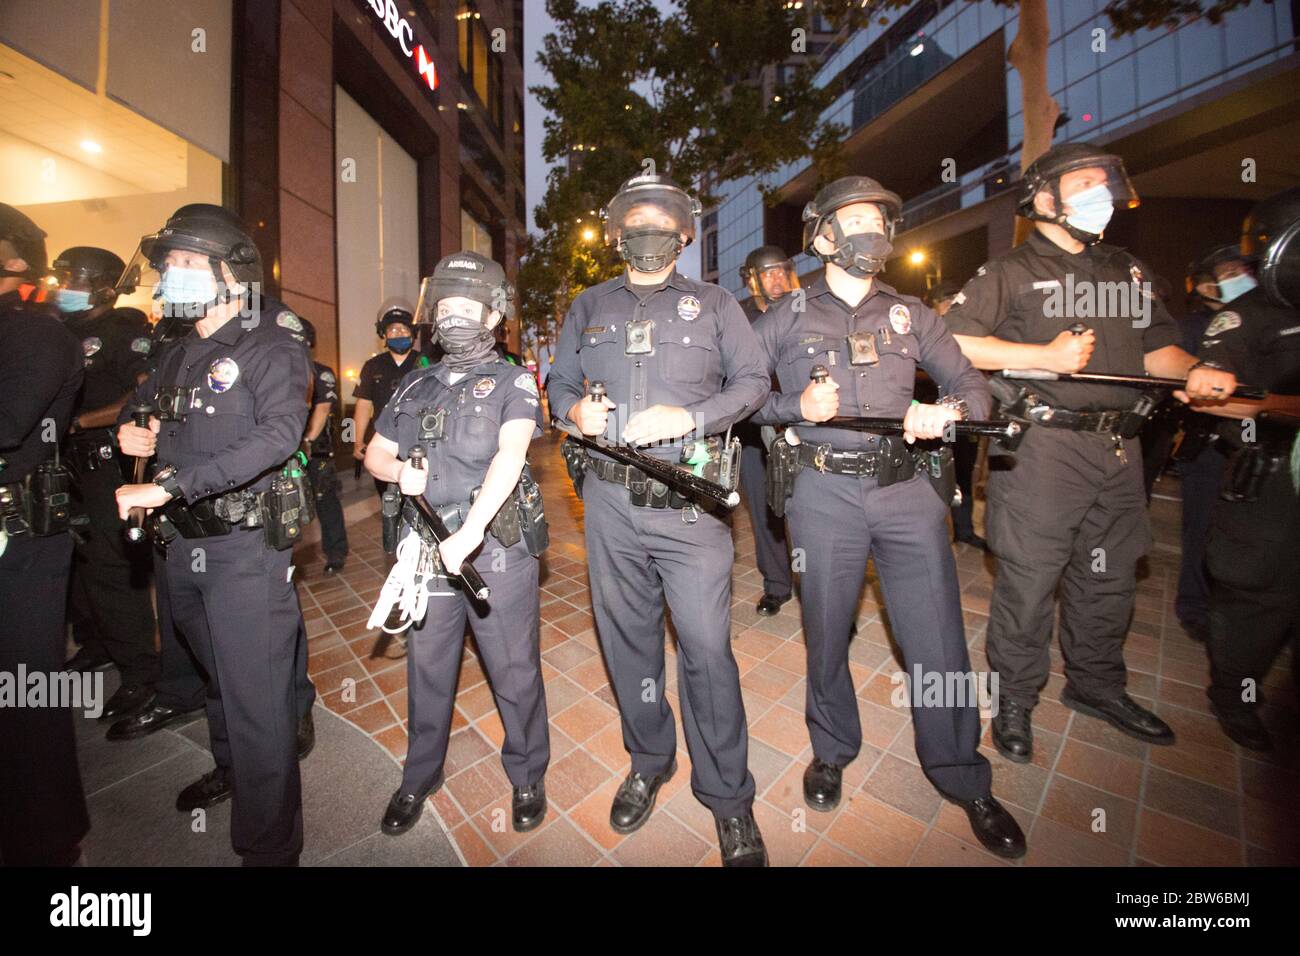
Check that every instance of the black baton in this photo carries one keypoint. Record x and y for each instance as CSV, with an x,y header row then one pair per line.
x,y
468,575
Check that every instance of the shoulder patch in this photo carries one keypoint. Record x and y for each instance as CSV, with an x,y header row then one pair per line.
x,y
287,320
328,377
527,383
142,345
1223,322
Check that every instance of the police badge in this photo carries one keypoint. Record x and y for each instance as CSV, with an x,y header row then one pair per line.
x,y
222,374
688,308
91,345
900,318
484,386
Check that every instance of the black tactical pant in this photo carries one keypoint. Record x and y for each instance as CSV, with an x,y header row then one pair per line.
x,y
837,522
329,510
770,548
1200,482
1254,591
1068,512
508,637
232,598
182,683
42,807
109,602
638,559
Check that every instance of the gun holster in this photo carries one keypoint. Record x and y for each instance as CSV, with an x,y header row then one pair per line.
x,y
783,467
1131,421
198,520
41,505
1250,466
575,462
896,461
940,469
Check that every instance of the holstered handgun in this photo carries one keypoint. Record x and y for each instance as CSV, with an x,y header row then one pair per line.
x,y
198,520
575,463
783,468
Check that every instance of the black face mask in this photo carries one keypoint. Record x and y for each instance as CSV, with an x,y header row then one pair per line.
x,y
650,250
861,255
466,342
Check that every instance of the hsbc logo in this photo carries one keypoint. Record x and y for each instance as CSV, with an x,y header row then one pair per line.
x,y
400,29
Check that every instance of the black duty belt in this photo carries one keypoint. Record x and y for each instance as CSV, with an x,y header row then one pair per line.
x,y
646,491
859,464
1108,421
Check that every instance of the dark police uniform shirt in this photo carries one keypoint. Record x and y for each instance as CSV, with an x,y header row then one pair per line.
x,y
41,371
908,334
706,358
476,406
116,346
1260,342
381,375
250,380
1032,294
325,389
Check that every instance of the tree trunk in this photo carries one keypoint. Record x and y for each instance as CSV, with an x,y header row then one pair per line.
x,y
1028,55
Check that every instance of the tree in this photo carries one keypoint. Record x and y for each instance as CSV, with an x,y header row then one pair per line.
x,y
633,90
1028,51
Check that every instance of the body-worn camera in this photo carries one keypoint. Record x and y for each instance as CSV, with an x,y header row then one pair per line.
x,y
433,422
173,402
638,337
862,349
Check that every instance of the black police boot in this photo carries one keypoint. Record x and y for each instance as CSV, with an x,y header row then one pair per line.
x,y
740,841
306,735
1243,726
1122,713
209,790
87,660
149,721
334,565
821,785
528,806
636,798
404,809
1013,730
770,604
994,827
130,699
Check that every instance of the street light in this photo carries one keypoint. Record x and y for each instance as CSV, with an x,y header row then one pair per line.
x,y
917,257
588,234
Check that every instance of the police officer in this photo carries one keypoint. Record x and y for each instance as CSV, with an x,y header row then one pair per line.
x,y
1071,510
319,439
1217,277
769,275
231,408
1255,578
42,806
678,357
474,414
381,373
110,605
859,496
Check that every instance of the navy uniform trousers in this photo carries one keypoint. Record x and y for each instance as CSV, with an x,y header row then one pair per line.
x,y
836,523
241,618
1068,512
507,634
770,549
42,807
637,558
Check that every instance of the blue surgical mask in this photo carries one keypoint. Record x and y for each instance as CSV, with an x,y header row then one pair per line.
x,y
401,345
182,286
73,300
1093,208
1234,286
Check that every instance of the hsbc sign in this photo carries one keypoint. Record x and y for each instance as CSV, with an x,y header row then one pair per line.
x,y
399,28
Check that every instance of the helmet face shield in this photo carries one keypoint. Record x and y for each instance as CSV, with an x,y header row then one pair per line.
x,y
1094,174
771,281
179,284
650,206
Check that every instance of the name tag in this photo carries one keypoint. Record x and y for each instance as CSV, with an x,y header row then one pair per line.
x,y
593,330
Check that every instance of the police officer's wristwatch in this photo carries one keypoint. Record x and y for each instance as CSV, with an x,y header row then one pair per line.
x,y
956,404
165,478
